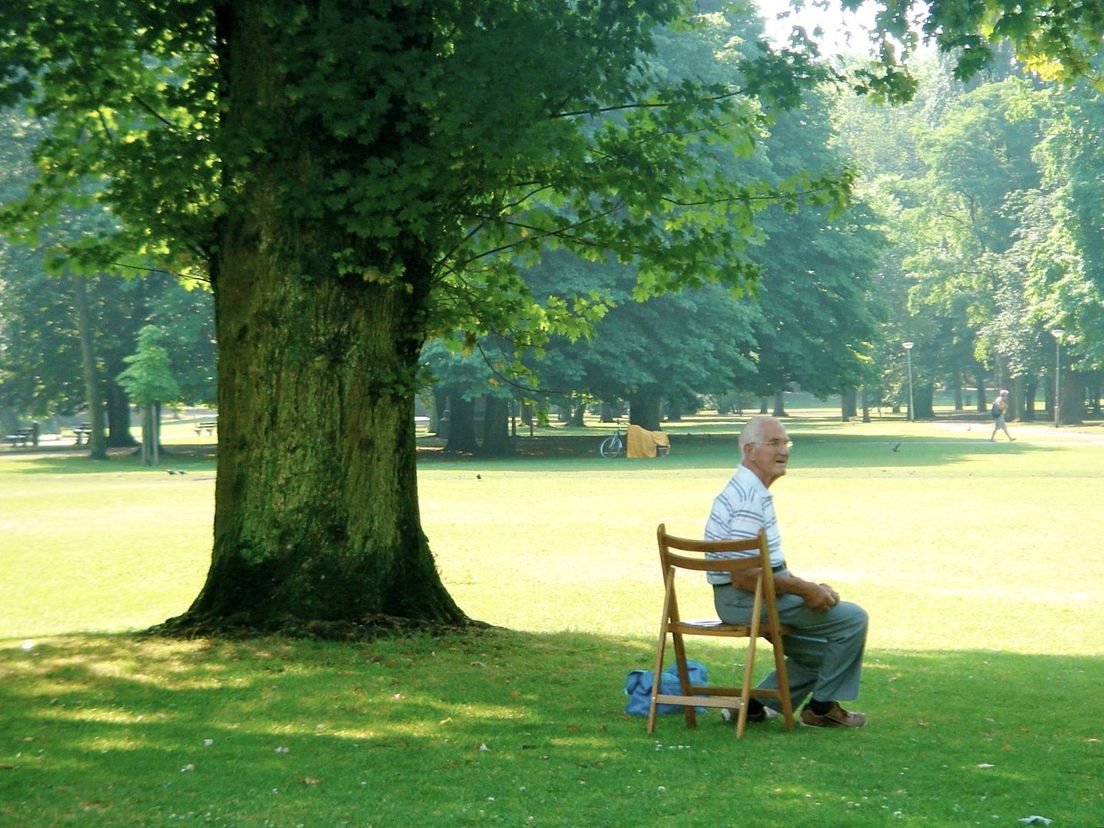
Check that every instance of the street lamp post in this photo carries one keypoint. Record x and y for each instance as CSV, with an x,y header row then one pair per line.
x,y
908,356
1057,334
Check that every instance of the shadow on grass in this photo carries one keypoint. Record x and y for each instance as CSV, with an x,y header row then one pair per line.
x,y
519,728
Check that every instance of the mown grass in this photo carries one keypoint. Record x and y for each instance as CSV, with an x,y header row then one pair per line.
x,y
976,561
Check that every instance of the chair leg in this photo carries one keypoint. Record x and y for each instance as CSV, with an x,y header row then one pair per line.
x,y
783,677
745,688
684,678
656,673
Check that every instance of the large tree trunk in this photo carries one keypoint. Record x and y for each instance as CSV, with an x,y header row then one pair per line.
x,y
316,508
316,502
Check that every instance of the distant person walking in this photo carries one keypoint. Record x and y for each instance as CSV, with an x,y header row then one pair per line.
x,y
1000,408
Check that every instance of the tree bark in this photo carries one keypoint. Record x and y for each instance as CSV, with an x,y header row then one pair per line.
x,y
316,503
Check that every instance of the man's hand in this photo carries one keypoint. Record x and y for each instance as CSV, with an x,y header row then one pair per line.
x,y
820,597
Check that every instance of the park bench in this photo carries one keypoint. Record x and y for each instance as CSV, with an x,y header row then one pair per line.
x,y
206,427
20,437
83,433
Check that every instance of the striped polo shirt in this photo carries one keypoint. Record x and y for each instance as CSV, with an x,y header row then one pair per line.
x,y
742,508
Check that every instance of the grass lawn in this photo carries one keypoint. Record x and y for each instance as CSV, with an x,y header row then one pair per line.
x,y
976,560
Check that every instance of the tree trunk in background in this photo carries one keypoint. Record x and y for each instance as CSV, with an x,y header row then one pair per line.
x,y
1017,394
674,410
1031,388
578,412
923,397
461,436
97,443
644,410
779,405
1072,411
150,434
436,407
118,417
316,502
982,403
849,406
496,432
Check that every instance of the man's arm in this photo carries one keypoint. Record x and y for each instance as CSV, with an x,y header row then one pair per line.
x,y
816,596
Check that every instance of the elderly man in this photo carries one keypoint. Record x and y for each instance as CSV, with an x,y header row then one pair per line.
x,y
824,655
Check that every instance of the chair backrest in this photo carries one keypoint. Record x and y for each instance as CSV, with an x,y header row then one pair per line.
x,y
687,553
670,547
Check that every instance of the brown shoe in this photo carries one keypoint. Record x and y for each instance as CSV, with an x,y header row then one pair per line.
x,y
836,717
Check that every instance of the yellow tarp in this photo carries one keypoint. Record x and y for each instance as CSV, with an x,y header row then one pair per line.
x,y
644,443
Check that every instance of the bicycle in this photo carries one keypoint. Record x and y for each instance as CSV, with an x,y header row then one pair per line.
x,y
613,446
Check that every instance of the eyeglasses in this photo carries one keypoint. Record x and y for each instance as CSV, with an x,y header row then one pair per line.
x,y
776,443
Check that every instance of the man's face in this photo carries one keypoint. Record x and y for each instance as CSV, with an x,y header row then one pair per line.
x,y
768,455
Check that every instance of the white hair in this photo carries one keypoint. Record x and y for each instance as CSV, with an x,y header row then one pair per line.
x,y
753,429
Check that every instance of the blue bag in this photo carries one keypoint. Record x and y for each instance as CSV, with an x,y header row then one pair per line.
x,y
638,687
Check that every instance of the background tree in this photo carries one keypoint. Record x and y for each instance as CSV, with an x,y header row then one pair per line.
x,y
149,382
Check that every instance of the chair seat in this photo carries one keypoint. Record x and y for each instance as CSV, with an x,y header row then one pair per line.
x,y
715,626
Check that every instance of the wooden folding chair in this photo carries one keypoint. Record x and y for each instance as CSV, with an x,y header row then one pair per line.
x,y
764,623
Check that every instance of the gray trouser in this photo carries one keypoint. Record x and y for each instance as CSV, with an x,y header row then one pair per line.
x,y
823,657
